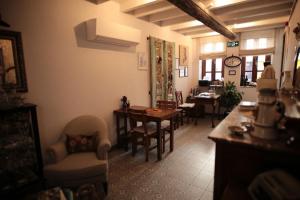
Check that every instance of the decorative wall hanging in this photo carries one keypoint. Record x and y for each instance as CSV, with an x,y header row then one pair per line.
x,y
12,67
141,61
162,65
183,55
232,61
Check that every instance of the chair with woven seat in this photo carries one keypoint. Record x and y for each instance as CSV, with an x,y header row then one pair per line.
x,y
89,165
186,107
141,134
165,125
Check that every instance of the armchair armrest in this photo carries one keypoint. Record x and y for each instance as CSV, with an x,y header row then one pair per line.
x,y
102,148
56,152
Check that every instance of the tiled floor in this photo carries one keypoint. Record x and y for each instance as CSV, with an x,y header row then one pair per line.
x,y
185,174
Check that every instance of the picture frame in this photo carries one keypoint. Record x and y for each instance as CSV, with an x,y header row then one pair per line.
x,y
183,55
232,72
12,65
186,70
181,73
142,61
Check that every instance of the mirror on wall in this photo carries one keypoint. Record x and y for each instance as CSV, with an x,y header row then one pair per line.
x,y
12,69
296,77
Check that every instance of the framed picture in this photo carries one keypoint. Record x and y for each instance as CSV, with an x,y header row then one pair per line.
x,y
183,55
186,70
141,61
181,73
232,72
12,66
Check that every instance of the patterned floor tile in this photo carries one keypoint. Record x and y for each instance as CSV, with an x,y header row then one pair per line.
x,y
184,174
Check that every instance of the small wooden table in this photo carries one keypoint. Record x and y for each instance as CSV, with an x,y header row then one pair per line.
x,y
240,159
211,100
156,115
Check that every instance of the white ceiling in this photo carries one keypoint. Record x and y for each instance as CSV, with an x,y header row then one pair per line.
x,y
238,15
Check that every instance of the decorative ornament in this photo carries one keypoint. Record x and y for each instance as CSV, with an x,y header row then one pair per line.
x,y
232,61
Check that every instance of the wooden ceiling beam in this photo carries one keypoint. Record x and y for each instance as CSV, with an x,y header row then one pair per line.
x,y
176,20
200,13
185,25
152,9
131,5
199,31
170,14
190,29
246,5
260,11
262,20
259,17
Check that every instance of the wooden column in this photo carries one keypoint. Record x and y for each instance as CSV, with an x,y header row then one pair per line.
x,y
203,15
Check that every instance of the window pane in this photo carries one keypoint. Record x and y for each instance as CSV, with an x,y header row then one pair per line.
x,y
219,47
207,76
208,47
262,43
218,76
258,75
208,65
250,44
248,75
249,63
260,62
219,64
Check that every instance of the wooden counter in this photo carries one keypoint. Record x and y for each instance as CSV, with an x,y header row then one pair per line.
x,y
239,159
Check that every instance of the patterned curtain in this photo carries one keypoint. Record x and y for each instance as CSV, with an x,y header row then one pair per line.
x,y
162,65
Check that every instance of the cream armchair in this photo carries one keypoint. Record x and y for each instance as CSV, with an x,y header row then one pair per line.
x,y
75,169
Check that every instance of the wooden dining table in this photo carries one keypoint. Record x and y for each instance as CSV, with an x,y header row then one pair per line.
x,y
154,115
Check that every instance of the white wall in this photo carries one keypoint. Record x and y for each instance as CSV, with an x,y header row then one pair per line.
x,y
69,76
292,43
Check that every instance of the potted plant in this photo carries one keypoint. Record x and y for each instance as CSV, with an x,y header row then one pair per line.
x,y
230,97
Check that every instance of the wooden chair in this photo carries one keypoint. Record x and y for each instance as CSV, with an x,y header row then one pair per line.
x,y
186,107
142,134
165,126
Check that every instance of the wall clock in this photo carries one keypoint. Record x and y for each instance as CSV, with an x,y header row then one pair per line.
x,y
232,61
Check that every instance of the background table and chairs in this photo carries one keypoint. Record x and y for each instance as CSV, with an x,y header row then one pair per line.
x,y
156,115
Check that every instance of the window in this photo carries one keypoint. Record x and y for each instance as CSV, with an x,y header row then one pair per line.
x,y
259,43
250,44
253,66
208,48
262,43
219,47
211,69
211,47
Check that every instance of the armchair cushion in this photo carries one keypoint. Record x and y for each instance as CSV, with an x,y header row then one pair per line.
x,y
56,152
75,167
81,143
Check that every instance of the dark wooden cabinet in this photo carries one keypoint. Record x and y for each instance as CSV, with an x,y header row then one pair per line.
x,y
21,166
240,159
